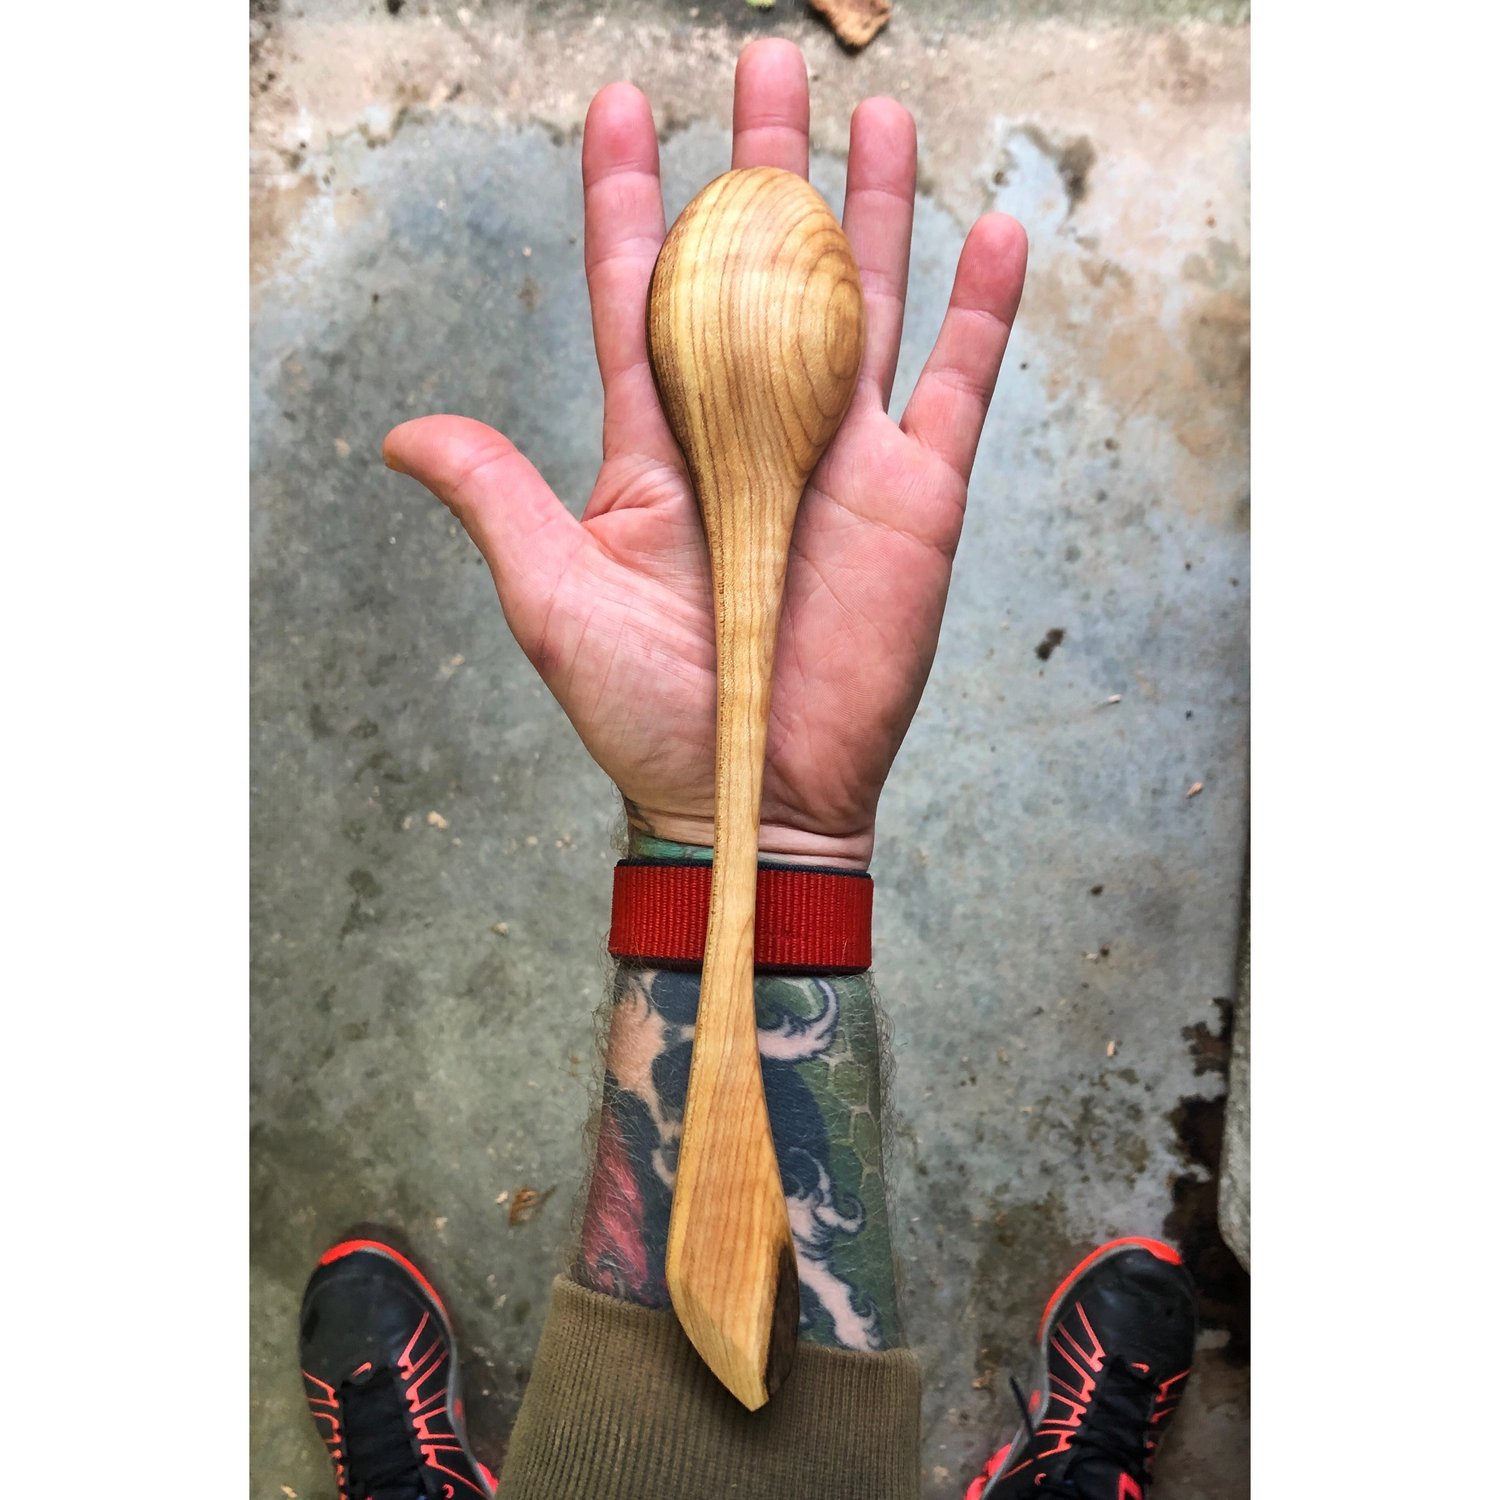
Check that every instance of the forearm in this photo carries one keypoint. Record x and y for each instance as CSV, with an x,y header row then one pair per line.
x,y
620,1406
821,1062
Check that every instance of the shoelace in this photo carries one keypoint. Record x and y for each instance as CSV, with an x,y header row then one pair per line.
x,y
1113,1431
382,1462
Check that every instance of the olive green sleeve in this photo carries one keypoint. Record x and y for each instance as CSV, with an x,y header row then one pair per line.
x,y
620,1407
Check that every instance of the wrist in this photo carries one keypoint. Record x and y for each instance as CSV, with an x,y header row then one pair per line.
x,y
653,835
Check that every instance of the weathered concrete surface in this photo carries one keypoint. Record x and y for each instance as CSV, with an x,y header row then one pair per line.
x,y
417,227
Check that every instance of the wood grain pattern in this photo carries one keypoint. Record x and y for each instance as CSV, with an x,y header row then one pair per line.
x,y
756,331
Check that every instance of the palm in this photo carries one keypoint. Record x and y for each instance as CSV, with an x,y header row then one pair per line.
x,y
640,577
615,611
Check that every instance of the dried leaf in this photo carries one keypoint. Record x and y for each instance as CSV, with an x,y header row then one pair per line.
x,y
854,22
526,1201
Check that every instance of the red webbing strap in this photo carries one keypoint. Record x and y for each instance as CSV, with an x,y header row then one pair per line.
x,y
807,920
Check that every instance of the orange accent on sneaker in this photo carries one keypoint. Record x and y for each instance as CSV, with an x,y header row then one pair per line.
x,y
1156,1247
976,1486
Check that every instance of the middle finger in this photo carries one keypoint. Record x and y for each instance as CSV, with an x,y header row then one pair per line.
x,y
770,107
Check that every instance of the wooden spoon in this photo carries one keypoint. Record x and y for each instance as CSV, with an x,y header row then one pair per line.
x,y
756,331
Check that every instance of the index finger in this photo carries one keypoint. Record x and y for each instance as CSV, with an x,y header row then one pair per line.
x,y
623,229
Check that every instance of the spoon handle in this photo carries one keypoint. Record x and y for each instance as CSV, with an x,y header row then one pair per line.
x,y
729,1232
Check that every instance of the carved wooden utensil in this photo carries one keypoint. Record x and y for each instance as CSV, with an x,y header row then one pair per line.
x,y
756,331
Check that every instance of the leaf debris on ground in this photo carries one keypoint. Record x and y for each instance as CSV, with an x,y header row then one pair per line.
x,y
526,1202
854,22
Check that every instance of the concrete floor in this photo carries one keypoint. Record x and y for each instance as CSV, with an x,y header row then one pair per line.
x,y
1046,885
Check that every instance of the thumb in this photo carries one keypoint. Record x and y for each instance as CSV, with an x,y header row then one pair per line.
x,y
511,514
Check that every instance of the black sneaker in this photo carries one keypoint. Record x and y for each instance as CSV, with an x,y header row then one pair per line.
x,y
1116,1351
381,1378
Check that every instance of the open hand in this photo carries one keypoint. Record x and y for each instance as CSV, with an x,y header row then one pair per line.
x,y
614,611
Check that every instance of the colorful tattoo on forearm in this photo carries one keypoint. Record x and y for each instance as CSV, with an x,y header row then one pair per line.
x,y
820,1058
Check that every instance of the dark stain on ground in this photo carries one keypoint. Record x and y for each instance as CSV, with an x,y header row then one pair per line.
x,y
1050,642
1193,1222
1074,160
381,765
1073,165
361,913
1013,1277
393,7
1210,1048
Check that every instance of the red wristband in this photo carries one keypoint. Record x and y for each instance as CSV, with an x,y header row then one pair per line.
x,y
807,919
